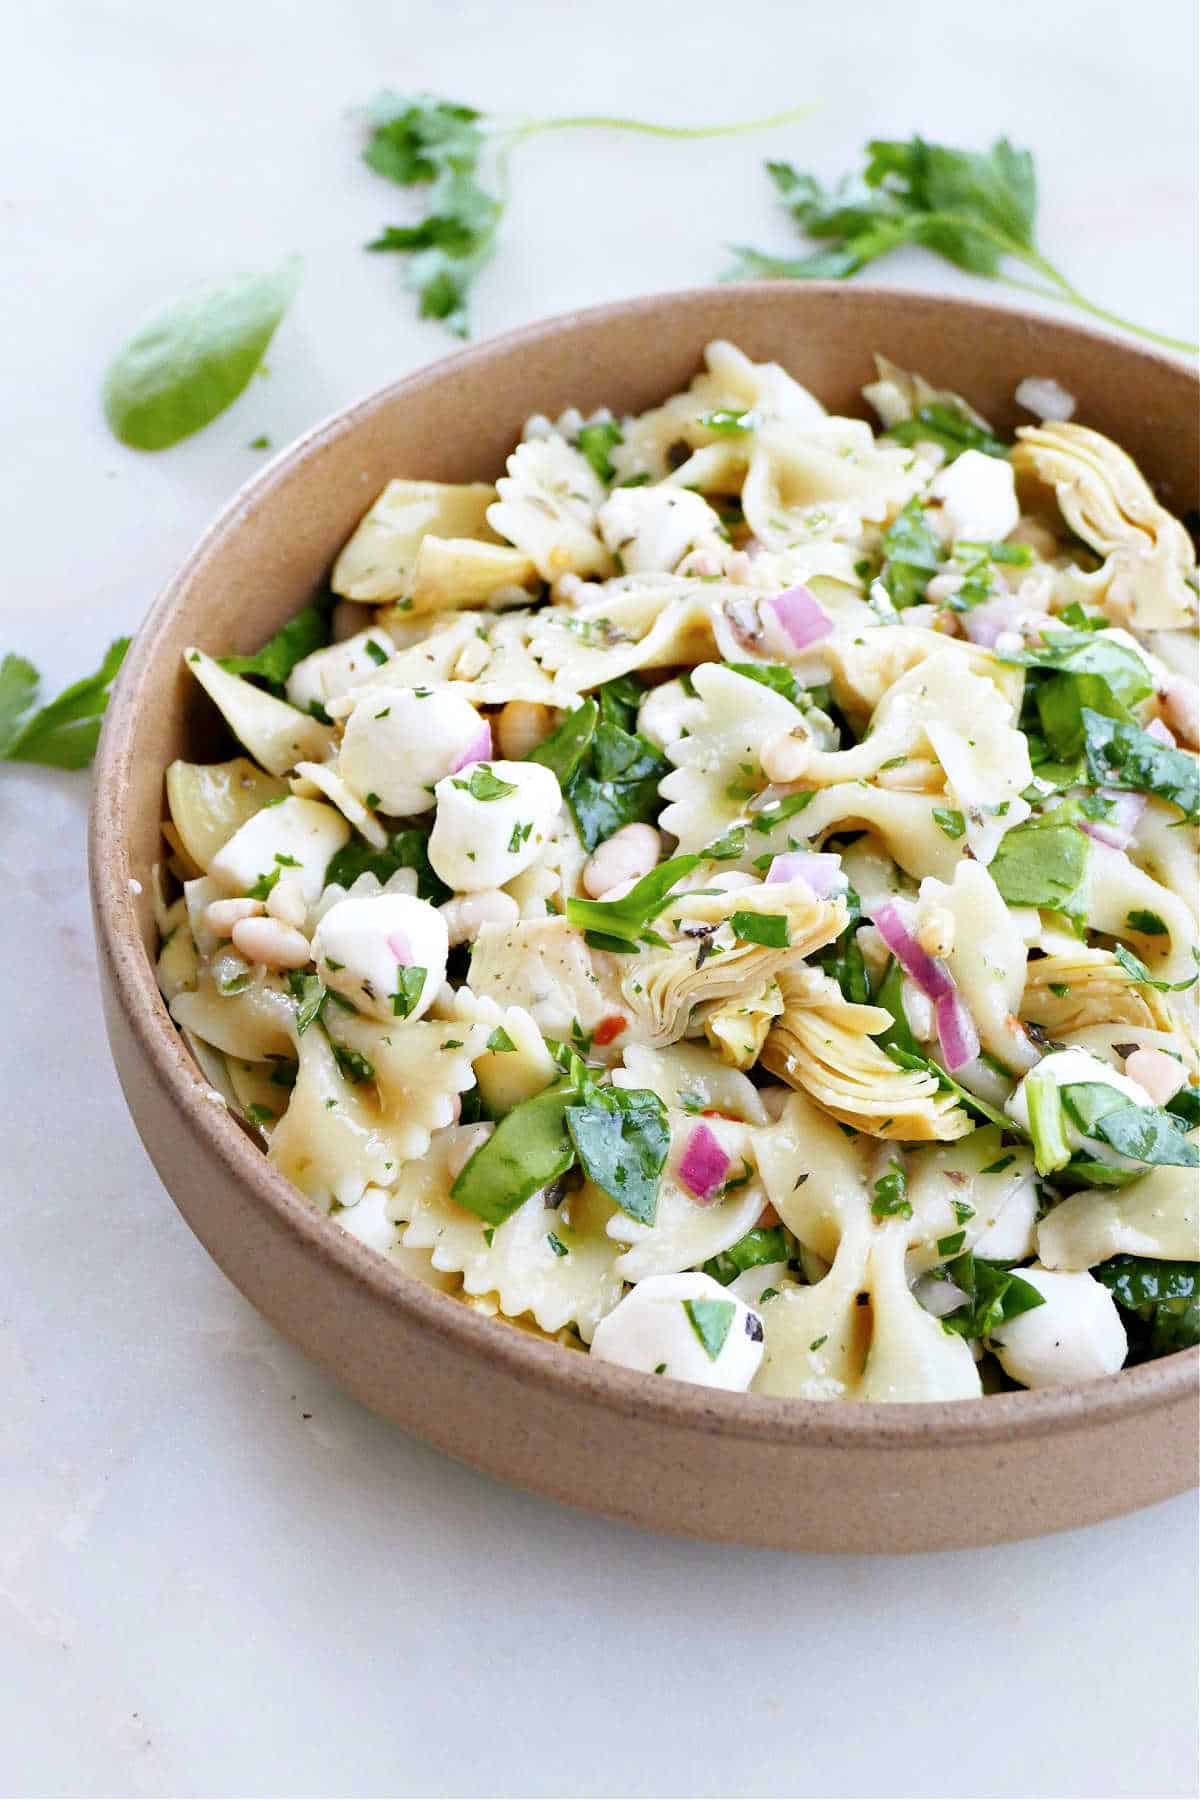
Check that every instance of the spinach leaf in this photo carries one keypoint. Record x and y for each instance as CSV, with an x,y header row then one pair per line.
x,y
891,1194
565,748
907,1059
308,631
770,929
765,1244
951,428
1044,862
975,208
622,922
1120,669
776,676
1165,1295
406,850
529,1148
64,733
616,785
182,370
912,555
622,1137
888,995
994,1296
1122,755
1148,1134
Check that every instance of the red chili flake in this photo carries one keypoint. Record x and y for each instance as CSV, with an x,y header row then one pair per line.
x,y
608,1029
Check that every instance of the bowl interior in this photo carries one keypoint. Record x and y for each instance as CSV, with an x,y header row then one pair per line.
x,y
456,421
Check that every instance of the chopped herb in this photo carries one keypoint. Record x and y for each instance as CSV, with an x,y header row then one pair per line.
x,y
595,442
710,1320
376,652
1147,923
949,821
950,1246
500,1040
765,1244
891,1195
781,810
817,1342
622,1138
409,985
483,785
912,553
310,994
771,929
261,1115
556,1244
354,1067
998,1168
1137,971
272,665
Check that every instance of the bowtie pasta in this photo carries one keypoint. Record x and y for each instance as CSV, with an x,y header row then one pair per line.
x,y
723,897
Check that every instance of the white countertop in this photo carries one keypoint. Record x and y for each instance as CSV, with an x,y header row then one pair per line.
x,y
217,1575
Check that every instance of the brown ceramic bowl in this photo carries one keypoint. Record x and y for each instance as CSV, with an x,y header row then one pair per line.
x,y
665,1455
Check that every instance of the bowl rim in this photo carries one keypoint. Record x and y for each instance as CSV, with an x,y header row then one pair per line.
x,y
532,1361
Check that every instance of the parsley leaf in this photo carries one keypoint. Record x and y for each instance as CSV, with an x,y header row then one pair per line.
x,y
975,208
891,1194
1137,971
483,784
912,553
410,984
308,631
64,733
310,994
595,441
500,1041
948,426
622,1137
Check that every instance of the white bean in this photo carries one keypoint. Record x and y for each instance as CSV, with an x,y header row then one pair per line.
x,y
785,758
626,856
464,1148
271,942
521,727
286,902
222,915
464,916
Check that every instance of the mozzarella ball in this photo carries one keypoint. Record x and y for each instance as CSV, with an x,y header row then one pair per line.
x,y
651,1329
1012,1232
1076,1335
296,837
400,742
361,946
1067,1067
492,821
978,496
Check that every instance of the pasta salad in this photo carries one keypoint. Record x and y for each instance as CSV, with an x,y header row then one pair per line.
x,y
723,896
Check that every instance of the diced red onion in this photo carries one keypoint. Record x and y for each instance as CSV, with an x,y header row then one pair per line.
x,y
956,1031
932,977
802,616
1122,822
1162,734
479,750
820,869
703,1165
401,949
983,624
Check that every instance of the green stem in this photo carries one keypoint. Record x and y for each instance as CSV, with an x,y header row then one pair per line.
x,y
604,122
1067,291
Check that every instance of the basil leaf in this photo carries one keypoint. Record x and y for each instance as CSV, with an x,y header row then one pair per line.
x,y
1136,969
1044,862
182,370
949,426
308,631
1122,755
770,929
406,850
623,921
622,1138
64,733
595,441
912,552
529,1149
710,1320
765,1244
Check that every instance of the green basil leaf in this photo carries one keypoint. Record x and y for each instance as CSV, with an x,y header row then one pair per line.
x,y
622,1138
1122,755
617,785
994,1295
565,748
949,821
182,370
891,1195
1119,668
530,1148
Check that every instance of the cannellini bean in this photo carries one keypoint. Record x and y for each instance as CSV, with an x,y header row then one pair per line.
x,y
935,930
624,857
943,587
1160,1075
785,758
286,902
271,942
464,915
521,727
464,1148
223,915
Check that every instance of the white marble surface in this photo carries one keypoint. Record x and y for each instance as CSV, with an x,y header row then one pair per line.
x,y
217,1575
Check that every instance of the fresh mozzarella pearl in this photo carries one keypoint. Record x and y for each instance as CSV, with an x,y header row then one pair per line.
x,y
296,836
1067,1067
1076,1335
651,1330
482,843
361,944
979,497
654,528
400,742
327,673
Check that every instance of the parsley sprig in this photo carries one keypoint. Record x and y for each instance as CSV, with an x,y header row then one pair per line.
x,y
62,734
422,140
977,208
